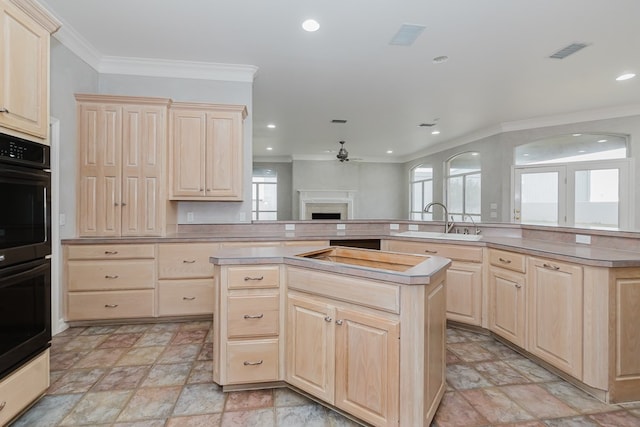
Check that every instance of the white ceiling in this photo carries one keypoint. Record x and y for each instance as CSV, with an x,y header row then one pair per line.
x,y
498,69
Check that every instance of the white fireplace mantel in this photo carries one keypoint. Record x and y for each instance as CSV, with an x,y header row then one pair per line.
x,y
339,198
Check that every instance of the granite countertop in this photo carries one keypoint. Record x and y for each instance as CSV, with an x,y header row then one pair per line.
x,y
578,253
419,274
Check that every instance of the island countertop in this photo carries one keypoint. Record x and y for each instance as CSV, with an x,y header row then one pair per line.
x,y
419,274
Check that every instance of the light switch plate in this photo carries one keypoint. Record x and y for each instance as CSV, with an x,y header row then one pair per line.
x,y
289,227
394,226
341,226
190,217
581,238
413,227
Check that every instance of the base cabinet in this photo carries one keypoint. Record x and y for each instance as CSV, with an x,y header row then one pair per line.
x,y
556,313
507,305
21,388
346,358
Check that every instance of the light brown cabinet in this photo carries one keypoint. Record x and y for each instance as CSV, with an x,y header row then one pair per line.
x,y
344,357
185,279
507,295
23,386
25,29
247,324
555,305
110,281
122,166
464,276
206,146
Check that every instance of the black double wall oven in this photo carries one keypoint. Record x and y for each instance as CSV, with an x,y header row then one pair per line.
x,y
25,248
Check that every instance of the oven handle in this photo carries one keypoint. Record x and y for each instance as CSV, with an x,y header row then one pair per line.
x,y
8,277
16,172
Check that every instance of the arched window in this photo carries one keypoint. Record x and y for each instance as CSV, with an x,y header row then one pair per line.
x,y
579,180
463,182
421,192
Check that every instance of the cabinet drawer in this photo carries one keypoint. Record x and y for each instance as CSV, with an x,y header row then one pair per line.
x,y
109,305
110,275
252,361
454,252
185,260
110,251
177,298
509,260
254,315
22,387
253,277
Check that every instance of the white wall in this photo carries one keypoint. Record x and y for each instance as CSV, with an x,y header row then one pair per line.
x,y
381,188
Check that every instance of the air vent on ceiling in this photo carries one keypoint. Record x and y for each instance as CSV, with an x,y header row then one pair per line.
x,y
568,50
426,125
338,121
407,35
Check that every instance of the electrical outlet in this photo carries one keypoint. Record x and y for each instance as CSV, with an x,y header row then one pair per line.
x,y
341,226
62,220
394,226
289,227
190,217
581,238
413,227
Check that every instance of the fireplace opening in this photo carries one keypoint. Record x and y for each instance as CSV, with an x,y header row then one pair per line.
x,y
325,215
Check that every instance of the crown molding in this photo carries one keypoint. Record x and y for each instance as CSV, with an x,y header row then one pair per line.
x,y
77,44
180,69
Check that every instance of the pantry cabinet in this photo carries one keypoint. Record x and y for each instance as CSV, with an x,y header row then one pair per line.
x,y
206,146
25,29
122,160
555,304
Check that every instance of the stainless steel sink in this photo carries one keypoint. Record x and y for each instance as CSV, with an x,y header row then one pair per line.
x,y
443,236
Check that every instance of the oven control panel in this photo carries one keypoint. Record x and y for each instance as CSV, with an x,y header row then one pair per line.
x,y
29,153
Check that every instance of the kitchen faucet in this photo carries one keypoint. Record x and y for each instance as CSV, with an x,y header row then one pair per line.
x,y
447,225
476,229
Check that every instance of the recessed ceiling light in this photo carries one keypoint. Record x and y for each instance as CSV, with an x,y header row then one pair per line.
x,y
389,151
475,154
581,151
577,134
625,77
435,132
310,25
269,148
602,140
271,126
440,59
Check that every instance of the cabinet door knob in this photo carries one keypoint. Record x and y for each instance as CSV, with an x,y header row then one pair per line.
x,y
254,316
247,278
430,251
518,286
2,405
188,261
188,298
339,322
3,110
110,252
550,266
327,319
108,276
116,204
111,305
247,363
124,204
506,261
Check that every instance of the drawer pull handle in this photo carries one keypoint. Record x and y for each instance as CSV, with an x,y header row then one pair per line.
x,y
339,322
188,261
327,319
518,286
254,316
188,298
430,251
107,276
3,110
506,261
551,266
2,405
247,278
110,252
110,305
247,363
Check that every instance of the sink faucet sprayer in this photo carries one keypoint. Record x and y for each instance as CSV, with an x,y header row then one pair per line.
x,y
447,225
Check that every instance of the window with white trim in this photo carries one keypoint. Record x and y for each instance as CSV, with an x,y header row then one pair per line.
x,y
464,185
421,192
264,195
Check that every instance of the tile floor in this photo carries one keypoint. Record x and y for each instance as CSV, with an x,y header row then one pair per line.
x,y
160,375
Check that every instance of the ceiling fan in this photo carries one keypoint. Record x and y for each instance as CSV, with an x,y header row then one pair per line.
x,y
343,154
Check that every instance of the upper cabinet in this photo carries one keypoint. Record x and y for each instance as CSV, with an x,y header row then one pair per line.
x,y
122,166
206,146
25,29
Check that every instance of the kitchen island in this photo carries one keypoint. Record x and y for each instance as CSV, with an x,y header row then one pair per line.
x,y
327,321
